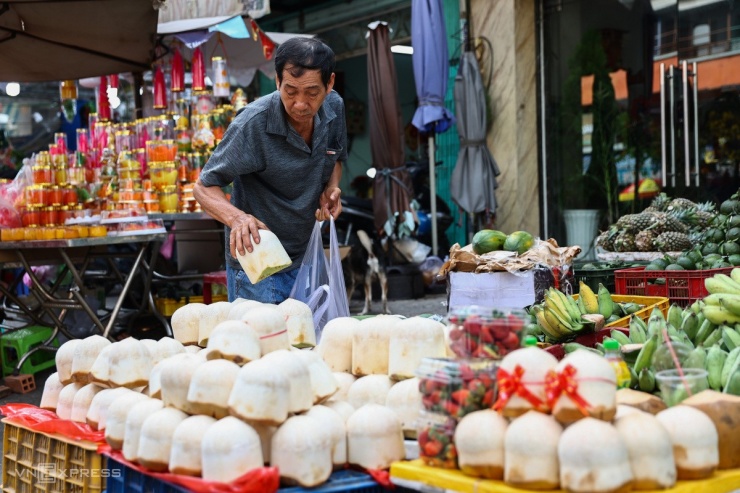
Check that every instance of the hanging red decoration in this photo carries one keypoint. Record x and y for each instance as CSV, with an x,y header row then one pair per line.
x,y
199,70
160,90
102,100
113,81
268,45
177,73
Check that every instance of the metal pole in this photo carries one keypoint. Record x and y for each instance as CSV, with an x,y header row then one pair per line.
x,y
696,126
433,193
687,146
663,156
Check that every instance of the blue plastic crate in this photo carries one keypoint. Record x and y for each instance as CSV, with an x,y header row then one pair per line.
x,y
123,479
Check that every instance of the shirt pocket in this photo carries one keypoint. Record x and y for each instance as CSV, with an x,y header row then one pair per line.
x,y
332,155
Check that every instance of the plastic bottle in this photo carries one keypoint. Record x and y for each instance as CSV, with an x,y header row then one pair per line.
x,y
614,356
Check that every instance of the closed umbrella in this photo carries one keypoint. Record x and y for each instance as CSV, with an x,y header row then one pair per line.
x,y
392,188
473,182
431,67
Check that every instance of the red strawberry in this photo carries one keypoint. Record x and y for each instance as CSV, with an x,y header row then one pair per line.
x,y
432,449
473,326
486,334
423,437
500,329
466,373
451,408
455,334
461,396
515,323
511,341
488,398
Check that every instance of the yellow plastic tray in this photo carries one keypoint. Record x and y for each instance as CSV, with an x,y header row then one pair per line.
x,y
39,462
453,480
168,306
644,314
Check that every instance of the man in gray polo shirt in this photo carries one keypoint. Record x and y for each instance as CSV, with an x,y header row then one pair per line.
x,y
284,155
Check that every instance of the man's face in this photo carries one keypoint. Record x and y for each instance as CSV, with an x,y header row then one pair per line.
x,y
302,96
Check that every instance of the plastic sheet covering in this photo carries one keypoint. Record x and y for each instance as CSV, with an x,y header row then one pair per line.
x,y
43,421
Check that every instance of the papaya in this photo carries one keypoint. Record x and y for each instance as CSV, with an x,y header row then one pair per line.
x,y
488,240
518,241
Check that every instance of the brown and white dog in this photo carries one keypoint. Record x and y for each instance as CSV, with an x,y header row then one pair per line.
x,y
363,263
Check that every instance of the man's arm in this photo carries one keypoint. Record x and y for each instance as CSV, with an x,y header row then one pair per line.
x,y
330,203
213,201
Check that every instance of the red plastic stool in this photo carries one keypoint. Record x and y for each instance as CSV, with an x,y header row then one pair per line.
x,y
212,278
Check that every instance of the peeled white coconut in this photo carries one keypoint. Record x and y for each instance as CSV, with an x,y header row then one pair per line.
x,y
597,384
335,345
155,441
370,345
624,410
238,310
299,320
302,451
531,452
593,457
370,389
234,340
165,348
66,398
343,408
115,422
323,384
186,323
260,394
85,355
134,422
344,381
265,433
193,349
185,454
154,389
98,411
175,381
650,451
374,437
50,396
411,340
695,441
63,359
81,403
266,258
332,422
151,346
297,373
210,317
479,439
230,448
129,364
100,370
536,363
210,387
269,324
404,399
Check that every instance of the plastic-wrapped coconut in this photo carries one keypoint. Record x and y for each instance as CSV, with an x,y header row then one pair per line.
x,y
695,441
479,439
155,441
134,422
186,455
235,341
335,345
371,345
650,451
323,384
597,384
297,373
332,422
81,403
85,355
230,448
370,389
98,410
66,399
344,381
50,397
299,321
210,387
186,323
269,324
63,359
374,437
404,399
531,452
412,340
175,379
210,317
302,451
260,394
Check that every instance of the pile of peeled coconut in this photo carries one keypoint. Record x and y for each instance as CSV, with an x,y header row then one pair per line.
x,y
596,439
242,385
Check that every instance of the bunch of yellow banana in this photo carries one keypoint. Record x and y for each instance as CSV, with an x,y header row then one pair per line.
x,y
561,316
593,303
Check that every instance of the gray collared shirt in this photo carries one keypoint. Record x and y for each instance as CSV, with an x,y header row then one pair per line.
x,y
277,177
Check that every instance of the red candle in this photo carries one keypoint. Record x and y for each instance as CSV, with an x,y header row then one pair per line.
x,y
177,73
103,105
113,81
199,71
160,91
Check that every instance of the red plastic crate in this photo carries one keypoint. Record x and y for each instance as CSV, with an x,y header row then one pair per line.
x,y
682,287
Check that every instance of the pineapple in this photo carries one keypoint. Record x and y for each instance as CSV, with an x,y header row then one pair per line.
x,y
606,239
665,222
681,203
661,202
705,214
629,222
651,209
624,242
644,241
672,241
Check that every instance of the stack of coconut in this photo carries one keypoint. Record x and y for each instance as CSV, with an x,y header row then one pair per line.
x,y
584,441
233,392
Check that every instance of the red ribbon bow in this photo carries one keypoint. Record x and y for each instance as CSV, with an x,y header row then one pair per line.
x,y
510,384
557,384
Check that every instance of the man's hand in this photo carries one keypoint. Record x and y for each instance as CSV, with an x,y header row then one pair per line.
x,y
329,204
244,228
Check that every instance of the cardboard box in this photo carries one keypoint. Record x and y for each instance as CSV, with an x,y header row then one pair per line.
x,y
491,289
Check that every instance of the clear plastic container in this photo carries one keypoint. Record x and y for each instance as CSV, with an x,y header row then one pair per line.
x,y
455,388
436,437
480,332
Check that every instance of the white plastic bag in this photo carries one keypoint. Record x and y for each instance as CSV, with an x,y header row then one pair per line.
x,y
320,283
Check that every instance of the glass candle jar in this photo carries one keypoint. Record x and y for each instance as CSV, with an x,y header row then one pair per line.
x,y
37,195
168,199
31,216
70,196
163,174
43,158
41,174
60,175
48,216
56,195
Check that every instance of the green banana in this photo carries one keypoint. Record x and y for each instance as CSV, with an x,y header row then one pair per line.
x,y
620,337
674,316
730,338
713,338
630,308
656,323
579,303
733,383
719,315
606,304
672,330
732,358
685,339
697,358
619,311
705,329
713,364
588,298
600,347
569,347
690,325
637,332
646,380
735,275
646,353
700,318
634,379
721,283
696,306
553,303
570,305
717,299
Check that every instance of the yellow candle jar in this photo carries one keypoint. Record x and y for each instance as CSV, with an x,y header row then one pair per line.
x,y
163,175
168,199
